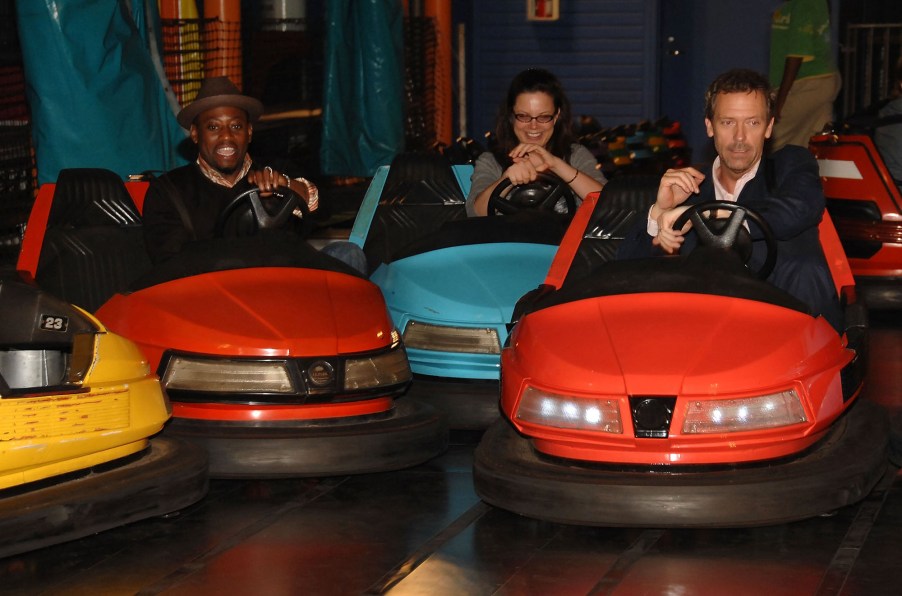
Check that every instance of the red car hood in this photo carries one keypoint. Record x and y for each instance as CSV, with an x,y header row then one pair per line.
x,y
673,344
254,312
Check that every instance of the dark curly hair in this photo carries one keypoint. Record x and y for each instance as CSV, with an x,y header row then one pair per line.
x,y
739,80
534,80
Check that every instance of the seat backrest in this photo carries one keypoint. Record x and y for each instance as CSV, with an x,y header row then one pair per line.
x,y
420,194
624,199
94,244
87,197
421,179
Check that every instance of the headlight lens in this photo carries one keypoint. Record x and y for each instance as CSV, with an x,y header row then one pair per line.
x,y
742,414
563,411
83,347
228,376
389,368
441,338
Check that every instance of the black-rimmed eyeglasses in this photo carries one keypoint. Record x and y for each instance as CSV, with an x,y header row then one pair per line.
x,y
526,118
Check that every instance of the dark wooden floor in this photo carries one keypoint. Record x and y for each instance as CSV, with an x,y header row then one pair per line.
x,y
424,531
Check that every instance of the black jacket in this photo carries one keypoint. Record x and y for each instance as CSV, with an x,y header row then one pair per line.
x,y
787,192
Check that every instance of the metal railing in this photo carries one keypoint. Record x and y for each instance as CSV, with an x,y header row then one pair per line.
x,y
869,56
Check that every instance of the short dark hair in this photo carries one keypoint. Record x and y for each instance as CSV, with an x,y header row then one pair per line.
x,y
739,80
533,80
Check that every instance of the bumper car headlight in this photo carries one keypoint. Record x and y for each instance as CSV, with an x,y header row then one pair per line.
x,y
563,411
228,376
741,414
389,368
83,346
441,338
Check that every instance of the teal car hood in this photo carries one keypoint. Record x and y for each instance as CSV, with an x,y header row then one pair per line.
x,y
473,285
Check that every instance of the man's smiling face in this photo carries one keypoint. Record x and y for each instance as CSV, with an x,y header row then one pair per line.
x,y
222,136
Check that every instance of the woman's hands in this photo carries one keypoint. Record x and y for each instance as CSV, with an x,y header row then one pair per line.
x,y
530,160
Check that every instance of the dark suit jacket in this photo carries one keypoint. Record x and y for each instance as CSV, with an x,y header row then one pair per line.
x,y
786,191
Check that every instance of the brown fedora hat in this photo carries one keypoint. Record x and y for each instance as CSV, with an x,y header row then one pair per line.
x,y
218,92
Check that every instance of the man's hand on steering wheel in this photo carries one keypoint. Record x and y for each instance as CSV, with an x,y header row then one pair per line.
x,y
281,207
669,239
268,180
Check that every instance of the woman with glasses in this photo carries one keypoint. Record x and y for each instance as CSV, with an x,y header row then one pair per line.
x,y
534,133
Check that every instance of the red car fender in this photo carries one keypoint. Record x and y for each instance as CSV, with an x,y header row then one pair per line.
x,y
262,413
570,243
290,311
30,251
775,349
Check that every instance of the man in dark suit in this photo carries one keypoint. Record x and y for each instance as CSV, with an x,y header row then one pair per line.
x,y
784,189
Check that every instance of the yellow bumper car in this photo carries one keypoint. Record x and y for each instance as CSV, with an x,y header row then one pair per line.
x,y
78,410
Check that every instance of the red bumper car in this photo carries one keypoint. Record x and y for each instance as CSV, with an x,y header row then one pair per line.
x,y
866,206
679,392
279,360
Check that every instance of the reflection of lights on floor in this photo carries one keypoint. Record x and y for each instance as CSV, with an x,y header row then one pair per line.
x,y
436,574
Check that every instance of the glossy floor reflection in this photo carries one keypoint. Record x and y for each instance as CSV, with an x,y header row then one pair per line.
x,y
424,531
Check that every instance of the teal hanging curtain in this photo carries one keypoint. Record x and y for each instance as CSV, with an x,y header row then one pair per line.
x,y
96,100
363,107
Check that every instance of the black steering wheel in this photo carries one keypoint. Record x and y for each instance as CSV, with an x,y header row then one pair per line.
x,y
729,233
541,194
280,207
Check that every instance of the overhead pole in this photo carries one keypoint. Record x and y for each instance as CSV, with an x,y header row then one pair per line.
x,y
440,11
182,47
462,80
222,37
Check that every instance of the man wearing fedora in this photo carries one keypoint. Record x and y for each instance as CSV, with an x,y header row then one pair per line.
x,y
183,205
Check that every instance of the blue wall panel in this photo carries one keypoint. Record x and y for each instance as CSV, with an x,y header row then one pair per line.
x,y
604,52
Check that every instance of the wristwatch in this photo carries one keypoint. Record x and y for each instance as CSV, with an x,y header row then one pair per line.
x,y
312,193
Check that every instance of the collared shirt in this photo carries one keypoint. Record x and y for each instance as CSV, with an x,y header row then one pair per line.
x,y
214,176
720,193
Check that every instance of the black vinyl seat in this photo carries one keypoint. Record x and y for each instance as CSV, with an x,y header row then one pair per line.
x,y
94,244
420,195
623,200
